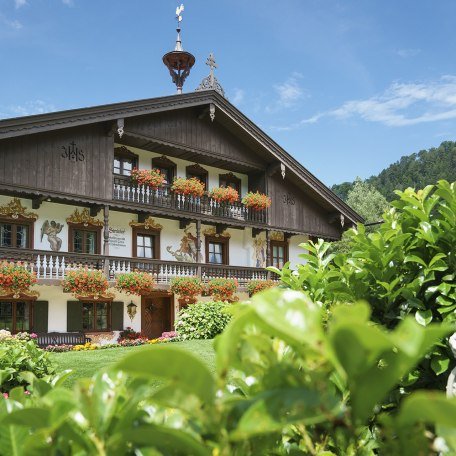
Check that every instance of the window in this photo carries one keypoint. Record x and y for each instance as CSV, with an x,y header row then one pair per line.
x,y
96,316
166,167
199,172
217,249
279,253
124,161
15,235
146,243
84,240
16,316
230,180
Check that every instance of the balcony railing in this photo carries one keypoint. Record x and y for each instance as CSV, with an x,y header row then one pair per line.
x,y
164,198
53,265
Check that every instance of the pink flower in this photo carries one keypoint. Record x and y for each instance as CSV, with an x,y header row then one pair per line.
x,y
27,392
5,395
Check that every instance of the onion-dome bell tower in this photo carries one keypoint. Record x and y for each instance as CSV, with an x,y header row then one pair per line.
x,y
179,62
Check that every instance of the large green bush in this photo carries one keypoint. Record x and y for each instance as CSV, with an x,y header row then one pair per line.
x,y
407,266
20,355
203,320
286,383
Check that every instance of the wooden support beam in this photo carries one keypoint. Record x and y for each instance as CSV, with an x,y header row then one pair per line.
x,y
142,216
256,231
273,168
36,202
220,228
183,223
95,209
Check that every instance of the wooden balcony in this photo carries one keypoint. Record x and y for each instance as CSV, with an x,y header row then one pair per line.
x,y
126,191
53,266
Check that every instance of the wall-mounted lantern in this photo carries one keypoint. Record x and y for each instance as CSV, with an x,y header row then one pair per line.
x,y
131,310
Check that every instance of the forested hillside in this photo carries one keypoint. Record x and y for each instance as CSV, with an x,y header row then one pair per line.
x,y
415,170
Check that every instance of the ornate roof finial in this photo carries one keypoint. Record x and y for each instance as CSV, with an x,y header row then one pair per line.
x,y
210,82
179,62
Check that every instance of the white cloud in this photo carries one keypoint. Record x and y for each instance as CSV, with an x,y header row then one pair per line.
x,y
68,2
27,109
288,93
401,104
14,24
20,3
238,96
405,53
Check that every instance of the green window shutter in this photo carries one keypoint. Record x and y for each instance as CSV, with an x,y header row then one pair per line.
x,y
117,314
74,316
40,316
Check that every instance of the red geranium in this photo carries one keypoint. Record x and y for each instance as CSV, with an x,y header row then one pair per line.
x,y
193,186
136,283
224,194
85,282
152,178
15,278
256,201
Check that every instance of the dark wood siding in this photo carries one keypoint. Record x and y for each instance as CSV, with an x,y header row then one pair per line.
x,y
184,127
36,161
292,209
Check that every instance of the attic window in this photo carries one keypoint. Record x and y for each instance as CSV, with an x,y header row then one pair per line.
x,y
199,172
124,161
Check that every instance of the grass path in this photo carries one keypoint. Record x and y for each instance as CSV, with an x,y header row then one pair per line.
x,y
85,363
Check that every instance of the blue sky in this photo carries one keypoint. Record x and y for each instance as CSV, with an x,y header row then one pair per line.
x,y
347,87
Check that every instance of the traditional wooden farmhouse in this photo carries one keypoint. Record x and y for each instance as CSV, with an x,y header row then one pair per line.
x,y
68,199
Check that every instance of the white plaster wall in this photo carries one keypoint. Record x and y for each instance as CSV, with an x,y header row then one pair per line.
x,y
145,162
294,250
48,211
57,300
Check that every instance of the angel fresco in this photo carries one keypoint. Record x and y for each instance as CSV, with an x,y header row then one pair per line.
x,y
51,230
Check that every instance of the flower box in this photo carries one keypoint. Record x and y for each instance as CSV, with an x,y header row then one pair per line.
x,y
16,280
86,283
222,289
135,283
255,286
152,178
187,288
224,194
256,201
188,187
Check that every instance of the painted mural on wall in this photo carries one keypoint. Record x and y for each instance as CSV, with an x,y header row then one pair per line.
x,y
51,229
259,252
187,249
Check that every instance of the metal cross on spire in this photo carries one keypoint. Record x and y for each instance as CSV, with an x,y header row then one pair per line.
x,y
210,82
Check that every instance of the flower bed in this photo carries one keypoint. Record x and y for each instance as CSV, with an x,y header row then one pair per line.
x,y
130,339
84,282
136,283
15,279
255,286
224,194
188,187
152,178
222,289
256,201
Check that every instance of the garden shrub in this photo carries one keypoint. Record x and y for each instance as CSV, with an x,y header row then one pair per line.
x,y
203,320
286,383
19,355
407,266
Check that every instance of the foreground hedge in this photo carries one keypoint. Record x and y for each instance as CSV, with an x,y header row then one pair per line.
x,y
286,383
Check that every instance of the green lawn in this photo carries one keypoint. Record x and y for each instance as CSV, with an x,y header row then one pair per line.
x,y
86,363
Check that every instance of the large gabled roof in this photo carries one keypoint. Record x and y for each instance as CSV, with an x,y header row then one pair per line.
x,y
20,126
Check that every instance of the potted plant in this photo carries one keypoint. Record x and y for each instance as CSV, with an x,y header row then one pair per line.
x,y
222,289
224,194
256,201
85,283
15,279
188,288
188,187
152,178
255,286
135,283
